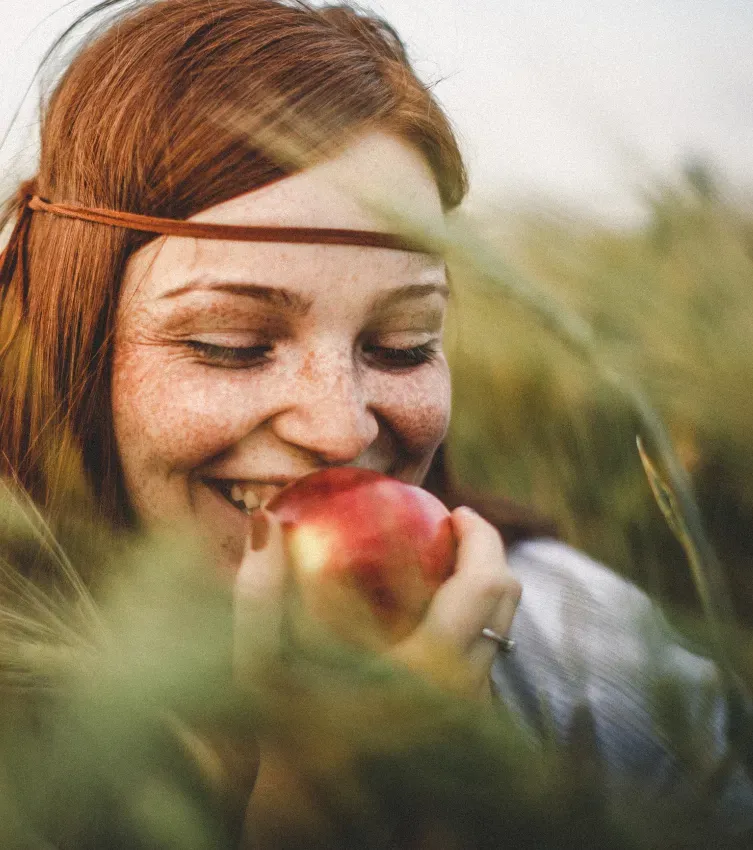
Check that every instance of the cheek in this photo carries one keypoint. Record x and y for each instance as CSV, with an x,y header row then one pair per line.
x,y
417,407
171,413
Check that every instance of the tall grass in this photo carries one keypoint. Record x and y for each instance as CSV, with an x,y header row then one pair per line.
x,y
125,729
669,303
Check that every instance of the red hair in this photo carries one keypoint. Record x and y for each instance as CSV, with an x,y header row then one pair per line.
x,y
166,111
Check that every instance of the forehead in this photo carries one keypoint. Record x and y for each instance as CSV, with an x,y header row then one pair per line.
x,y
374,175
377,173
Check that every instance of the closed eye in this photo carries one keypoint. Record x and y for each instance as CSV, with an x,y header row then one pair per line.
x,y
229,357
402,358
243,357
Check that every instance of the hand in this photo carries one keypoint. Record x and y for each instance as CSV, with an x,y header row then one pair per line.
x,y
259,596
447,646
230,756
482,592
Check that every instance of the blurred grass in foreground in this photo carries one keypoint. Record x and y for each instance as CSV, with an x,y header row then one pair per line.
x,y
122,727
672,305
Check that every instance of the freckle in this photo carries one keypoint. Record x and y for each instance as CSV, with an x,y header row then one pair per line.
x,y
307,369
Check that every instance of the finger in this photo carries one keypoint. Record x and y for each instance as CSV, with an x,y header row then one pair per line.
x,y
468,601
259,594
482,654
482,592
502,619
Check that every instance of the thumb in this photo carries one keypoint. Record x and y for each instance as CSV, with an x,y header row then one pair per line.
x,y
259,595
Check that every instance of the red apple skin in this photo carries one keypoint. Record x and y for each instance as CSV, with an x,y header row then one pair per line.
x,y
360,531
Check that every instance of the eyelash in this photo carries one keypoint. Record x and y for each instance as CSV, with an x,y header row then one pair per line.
x,y
229,356
246,357
404,358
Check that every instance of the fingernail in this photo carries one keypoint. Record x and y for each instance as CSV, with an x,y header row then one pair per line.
x,y
259,530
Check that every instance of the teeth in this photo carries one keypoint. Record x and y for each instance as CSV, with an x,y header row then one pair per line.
x,y
251,500
246,497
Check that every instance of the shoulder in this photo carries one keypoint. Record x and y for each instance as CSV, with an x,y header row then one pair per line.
x,y
583,618
573,603
550,564
590,641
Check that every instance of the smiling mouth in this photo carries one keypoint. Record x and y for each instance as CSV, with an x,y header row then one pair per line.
x,y
248,496
243,495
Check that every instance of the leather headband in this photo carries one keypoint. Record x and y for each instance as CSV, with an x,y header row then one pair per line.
x,y
15,254
232,232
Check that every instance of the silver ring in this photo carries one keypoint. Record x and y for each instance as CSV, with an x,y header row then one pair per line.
x,y
505,644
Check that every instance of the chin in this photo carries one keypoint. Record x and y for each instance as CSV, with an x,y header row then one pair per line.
x,y
229,554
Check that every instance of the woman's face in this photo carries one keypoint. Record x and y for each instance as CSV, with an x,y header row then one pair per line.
x,y
240,366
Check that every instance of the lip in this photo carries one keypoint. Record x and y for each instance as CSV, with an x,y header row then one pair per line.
x,y
266,488
256,481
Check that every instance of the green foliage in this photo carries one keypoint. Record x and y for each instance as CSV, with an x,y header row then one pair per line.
x,y
123,727
670,308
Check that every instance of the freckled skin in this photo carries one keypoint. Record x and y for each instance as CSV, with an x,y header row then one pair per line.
x,y
323,394
307,371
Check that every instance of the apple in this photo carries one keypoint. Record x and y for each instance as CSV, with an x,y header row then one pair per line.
x,y
364,546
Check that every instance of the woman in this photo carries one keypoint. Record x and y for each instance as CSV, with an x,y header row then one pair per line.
x,y
193,375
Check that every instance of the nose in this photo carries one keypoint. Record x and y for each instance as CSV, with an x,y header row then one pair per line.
x,y
329,415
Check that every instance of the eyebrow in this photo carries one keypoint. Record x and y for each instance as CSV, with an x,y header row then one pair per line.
x,y
292,302
299,305
411,290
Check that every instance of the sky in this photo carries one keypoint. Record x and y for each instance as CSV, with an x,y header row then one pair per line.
x,y
581,102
